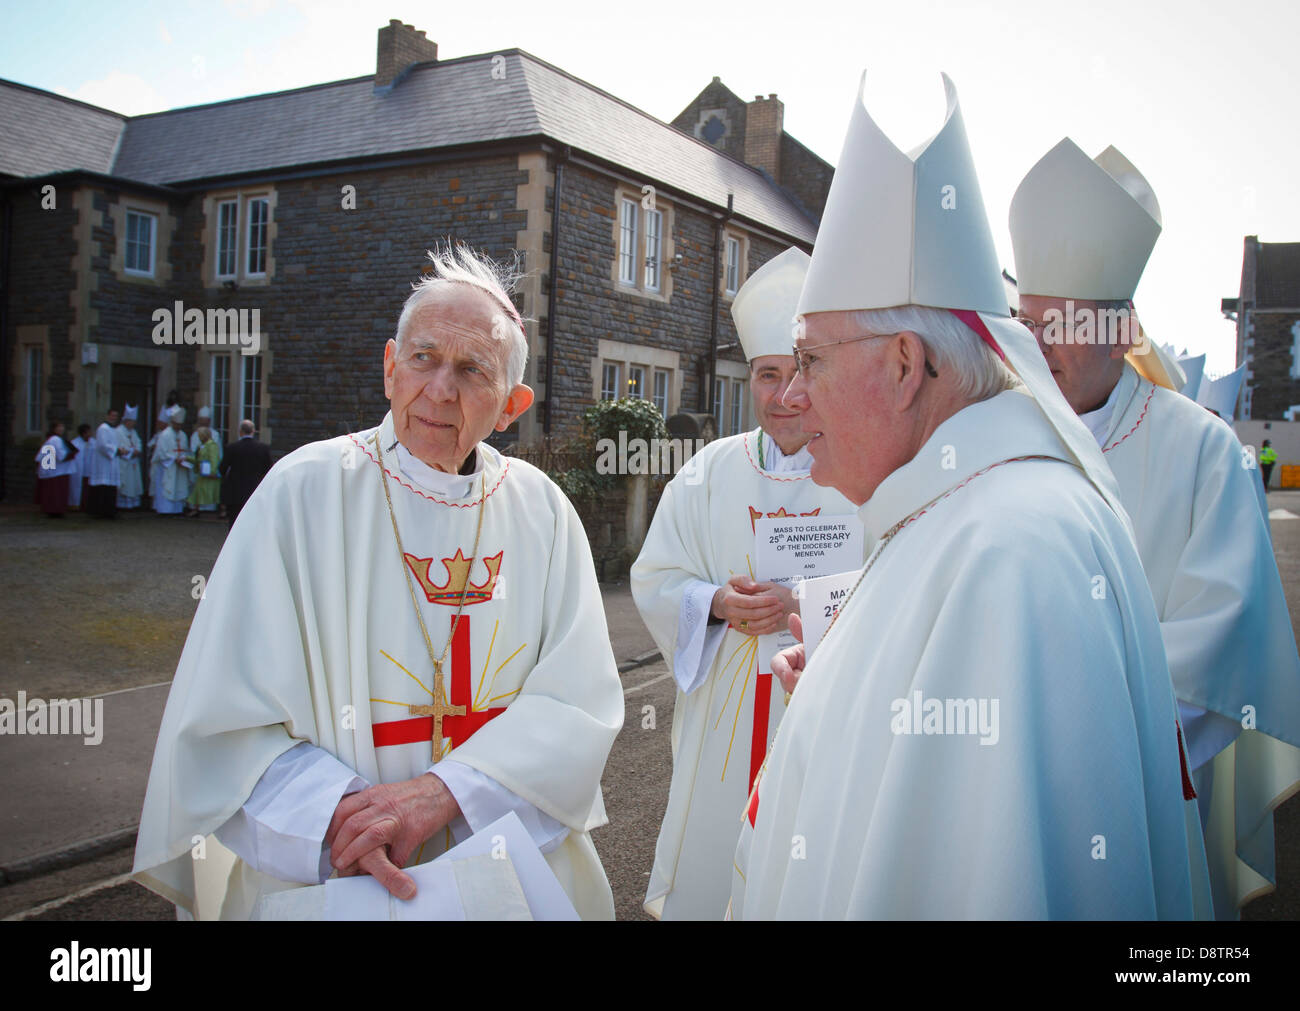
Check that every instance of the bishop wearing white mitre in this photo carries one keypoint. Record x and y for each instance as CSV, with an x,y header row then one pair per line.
x,y
1082,230
988,728
695,588
401,641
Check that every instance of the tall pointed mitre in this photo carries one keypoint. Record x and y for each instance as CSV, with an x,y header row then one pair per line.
x,y
1084,228
764,307
910,229
130,413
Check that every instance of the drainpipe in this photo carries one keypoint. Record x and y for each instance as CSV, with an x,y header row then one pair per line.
x,y
563,155
6,231
707,399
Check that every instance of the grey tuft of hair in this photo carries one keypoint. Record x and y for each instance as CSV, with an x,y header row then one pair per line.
x,y
952,345
457,263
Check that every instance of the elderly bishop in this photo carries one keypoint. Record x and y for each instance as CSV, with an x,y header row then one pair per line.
x,y
1082,230
988,729
401,641
695,586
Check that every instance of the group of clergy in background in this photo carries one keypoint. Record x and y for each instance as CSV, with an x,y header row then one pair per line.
x,y
105,468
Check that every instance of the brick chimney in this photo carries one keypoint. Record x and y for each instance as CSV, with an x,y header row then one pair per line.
x,y
764,122
400,46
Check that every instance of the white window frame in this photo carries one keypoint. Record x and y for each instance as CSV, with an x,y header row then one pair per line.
x,y
35,387
253,410
221,407
232,248
719,396
610,391
654,225
737,405
127,244
732,282
629,244
636,381
663,399
265,230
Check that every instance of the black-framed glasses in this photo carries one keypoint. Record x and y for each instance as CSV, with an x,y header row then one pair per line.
x,y
802,360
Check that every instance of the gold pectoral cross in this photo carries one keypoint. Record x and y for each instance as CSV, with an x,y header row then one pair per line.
x,y
437,711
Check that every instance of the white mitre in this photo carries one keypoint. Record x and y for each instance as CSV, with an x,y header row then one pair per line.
x,y
1084,228
764,307
130,413
910,229
177,414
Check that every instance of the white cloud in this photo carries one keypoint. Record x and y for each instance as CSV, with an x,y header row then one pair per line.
x,y
164,34
128,94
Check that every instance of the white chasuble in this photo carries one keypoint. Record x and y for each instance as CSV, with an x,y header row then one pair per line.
x,y
1200,516
175,478
988,730
702,535
307,632
132,486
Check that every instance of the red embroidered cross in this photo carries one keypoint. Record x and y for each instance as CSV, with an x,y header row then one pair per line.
x,y
462,721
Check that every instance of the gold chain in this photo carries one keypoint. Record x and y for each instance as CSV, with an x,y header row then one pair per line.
x,y
401,557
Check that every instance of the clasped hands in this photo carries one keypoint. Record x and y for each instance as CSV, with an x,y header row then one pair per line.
x,y
760,609
376,830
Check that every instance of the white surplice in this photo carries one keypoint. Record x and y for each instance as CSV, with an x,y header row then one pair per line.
x,y
702,534
174,478
307,633
104,466
1020,588
1200,518
132,486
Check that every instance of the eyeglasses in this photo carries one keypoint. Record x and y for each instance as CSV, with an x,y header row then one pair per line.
x,y
803,360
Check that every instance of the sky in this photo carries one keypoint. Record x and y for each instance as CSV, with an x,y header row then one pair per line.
x,y
1198,95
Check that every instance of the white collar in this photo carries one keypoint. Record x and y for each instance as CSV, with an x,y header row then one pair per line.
x,y
776,462
436,481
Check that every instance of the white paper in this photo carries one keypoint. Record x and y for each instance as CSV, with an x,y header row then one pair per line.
x,y
790,550
822,599
496,874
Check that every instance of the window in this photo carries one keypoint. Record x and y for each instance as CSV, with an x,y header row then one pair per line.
x,y
733,265
627,243
227,237
250,405
259,216
663,381
718,388
611,375
636,381
653,226
737,406
35,385
220,390
139,243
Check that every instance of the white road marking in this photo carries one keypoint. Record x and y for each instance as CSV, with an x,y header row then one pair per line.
x,y
1282,514
98,886
646,684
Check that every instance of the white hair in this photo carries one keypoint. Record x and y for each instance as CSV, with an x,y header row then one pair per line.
x,y
458,264
953,346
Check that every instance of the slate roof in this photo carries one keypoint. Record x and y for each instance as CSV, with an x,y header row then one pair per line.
x,y
1277,276
46,133
435,105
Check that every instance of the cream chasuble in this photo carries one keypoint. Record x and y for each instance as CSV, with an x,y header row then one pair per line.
x,y
307,633
988,729
703,531
1200,518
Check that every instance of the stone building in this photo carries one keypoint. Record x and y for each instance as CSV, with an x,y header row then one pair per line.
x,y
1267,314
272,240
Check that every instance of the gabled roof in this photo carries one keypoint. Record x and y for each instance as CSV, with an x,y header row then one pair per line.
x,y
46,133
1277,276
443,104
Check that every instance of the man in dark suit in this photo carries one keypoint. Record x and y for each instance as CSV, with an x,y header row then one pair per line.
x,y
243,465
